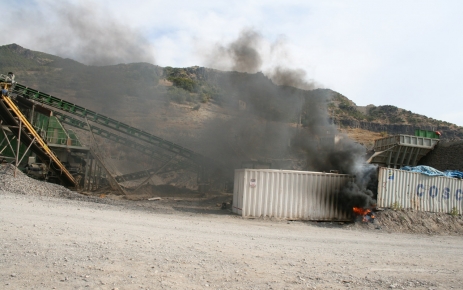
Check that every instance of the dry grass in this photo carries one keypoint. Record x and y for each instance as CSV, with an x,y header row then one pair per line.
x,y
364,137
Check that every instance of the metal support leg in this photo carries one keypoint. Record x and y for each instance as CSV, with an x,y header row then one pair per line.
x,y
151,175
25,152
8,141
19,143
87,161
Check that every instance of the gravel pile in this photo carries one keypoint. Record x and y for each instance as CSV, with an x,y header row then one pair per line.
x,y
23,184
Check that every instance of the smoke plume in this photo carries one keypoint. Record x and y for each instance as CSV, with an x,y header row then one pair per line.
x,y
82,31
284,96
241,55
250,53
284,76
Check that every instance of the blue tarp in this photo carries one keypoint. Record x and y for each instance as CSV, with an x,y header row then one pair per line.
x,y
428,170
454,174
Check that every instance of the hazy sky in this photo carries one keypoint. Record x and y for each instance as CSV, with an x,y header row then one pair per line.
x,y
403,53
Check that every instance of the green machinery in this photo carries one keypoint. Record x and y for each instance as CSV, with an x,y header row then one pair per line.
x,y
427,134
173,156
13,119
101,120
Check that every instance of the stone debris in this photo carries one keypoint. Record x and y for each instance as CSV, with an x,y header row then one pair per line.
x,y
23,184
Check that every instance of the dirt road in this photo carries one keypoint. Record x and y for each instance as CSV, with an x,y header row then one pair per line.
x,y
58,243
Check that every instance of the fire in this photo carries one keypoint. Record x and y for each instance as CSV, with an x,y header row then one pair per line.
x,y
360,211
365,213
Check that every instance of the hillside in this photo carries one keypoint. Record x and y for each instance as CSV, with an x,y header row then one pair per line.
x,y
176,102
387,119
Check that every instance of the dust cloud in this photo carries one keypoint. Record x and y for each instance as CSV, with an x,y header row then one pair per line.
x,y
82,31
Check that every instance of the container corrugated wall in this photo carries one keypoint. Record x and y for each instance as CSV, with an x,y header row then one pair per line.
x,y
405,189
289,194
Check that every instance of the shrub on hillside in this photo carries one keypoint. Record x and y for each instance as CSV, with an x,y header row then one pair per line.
x,y
178,95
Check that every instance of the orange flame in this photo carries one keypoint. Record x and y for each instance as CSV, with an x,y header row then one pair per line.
x,y
363,212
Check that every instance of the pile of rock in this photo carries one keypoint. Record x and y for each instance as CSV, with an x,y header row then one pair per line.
x,y
445,156
23,184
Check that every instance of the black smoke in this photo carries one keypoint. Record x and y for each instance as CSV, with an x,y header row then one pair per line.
x,y
242,55
284,76
285,96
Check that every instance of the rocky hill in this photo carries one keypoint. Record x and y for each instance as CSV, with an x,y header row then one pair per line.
x,y
388,119
159,99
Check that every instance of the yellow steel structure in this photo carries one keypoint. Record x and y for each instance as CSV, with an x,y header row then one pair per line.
x,y
37,137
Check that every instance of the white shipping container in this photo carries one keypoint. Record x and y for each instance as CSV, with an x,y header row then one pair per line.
x,y
289,194
411,190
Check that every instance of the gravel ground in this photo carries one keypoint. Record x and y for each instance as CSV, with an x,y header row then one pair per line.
x,y
54,238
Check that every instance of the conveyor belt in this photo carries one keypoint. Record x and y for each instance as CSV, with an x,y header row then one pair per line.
x,y
151,151
159,148
11,116
141,174
63,118
102,120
